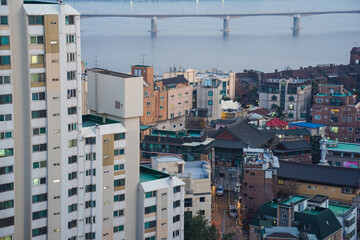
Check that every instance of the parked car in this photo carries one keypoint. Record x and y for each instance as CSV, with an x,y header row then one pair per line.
x,y
220,190
232,211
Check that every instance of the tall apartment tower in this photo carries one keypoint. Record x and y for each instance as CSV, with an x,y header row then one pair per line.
x,y
40,87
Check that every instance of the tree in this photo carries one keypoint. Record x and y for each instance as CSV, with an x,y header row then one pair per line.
x,y
199,228
315,148
288,189
279,113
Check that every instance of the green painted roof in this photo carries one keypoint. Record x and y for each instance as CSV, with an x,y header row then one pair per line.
x,y
344,147
293,199
91,120
142,66
174,134
144,127
149,174
339,210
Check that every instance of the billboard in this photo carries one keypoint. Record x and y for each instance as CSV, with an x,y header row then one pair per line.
x,y
351,164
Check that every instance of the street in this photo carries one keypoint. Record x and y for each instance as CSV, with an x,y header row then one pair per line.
x,y
221,209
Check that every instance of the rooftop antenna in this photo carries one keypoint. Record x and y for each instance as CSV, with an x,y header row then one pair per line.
x,y
96,62
143,57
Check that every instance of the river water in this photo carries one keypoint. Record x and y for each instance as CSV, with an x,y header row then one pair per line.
x,y
261,43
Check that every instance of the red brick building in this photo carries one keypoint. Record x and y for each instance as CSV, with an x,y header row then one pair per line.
x,y
337,108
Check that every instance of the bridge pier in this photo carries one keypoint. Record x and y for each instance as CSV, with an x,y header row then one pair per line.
x,y
296,22
154,25
226,26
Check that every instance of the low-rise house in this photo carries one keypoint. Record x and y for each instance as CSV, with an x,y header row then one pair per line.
x,y
311,222
313,128
343,154
294,151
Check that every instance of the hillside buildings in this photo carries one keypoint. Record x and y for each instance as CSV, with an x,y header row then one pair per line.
x,y
343,154
337,108
293,96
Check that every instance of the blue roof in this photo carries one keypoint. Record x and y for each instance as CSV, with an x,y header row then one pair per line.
x,y
308,125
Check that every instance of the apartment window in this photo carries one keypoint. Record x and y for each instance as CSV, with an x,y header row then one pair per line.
x,y
148,103
39,214
91,156
4,41
317,117
90,204
36,20
71,75
176,204
5,135
69,20
4,20
161,107
72,238
148,113
36,40
150,194
72,143
6,152
117,104
150,238
349,119
39,131
6,170
202,199
91,172
38,96
150,224
119,198
4,2
318,100
5,99
118,213
119,167
176,189
72,224
70,38
188,202
71,93
150,209
90,140
39,231
72,208
291,98
119,182
119,136
146,93
90,188
347,190
39,198
40,164
72,159
4,80
71,57
72,127
210,102
37,77
72,191
37,59
176,218
72,175
39,181
350,129
72,110
6,205
90,220
334,129
118,152
39,147
171,115
291,107
291,115
118,228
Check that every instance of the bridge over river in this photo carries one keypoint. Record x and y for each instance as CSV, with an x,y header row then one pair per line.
x,y
225,16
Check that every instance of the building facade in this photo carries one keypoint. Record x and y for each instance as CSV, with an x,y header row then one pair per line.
x,y
207,95
293,96
342,154
197,178
337,108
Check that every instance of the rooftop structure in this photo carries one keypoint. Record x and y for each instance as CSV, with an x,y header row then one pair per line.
x,y
342,154
149,174
92,120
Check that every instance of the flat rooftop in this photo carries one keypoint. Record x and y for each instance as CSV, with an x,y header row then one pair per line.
x,y
169,158
344,147
339,210
293,199
197,169
149,174
111,73
91,120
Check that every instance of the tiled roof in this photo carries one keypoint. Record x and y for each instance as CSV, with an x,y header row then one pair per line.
x,y
296,145
174,80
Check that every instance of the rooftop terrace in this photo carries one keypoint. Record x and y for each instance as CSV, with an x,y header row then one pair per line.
x,y
91,120
149,174
339,210
293,199
174,134
344,147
